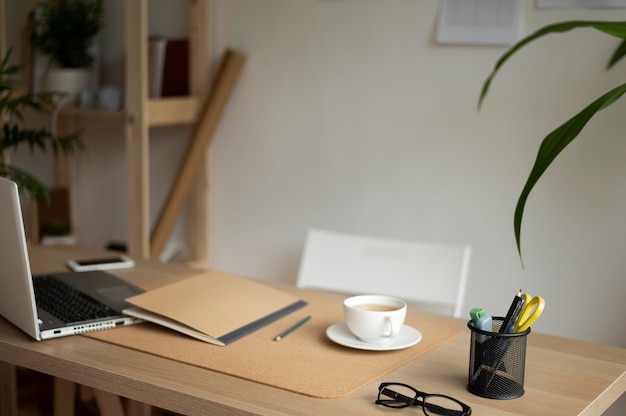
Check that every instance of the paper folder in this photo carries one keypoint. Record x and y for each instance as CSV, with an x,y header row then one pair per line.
x,y
214,307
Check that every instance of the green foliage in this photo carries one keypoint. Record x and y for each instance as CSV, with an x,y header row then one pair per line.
x,y
563,135
65,29
13,133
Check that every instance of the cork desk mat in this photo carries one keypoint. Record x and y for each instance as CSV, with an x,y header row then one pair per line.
x,y
305,362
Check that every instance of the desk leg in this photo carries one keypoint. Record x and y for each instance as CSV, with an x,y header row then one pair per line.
x,y
109,404
64,396
135,408
8,390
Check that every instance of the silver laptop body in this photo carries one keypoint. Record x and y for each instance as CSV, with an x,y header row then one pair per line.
x,y
17,294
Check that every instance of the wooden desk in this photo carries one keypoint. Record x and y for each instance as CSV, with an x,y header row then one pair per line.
x,y
563,376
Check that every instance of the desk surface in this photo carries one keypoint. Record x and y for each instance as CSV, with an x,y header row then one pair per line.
x,y
563,376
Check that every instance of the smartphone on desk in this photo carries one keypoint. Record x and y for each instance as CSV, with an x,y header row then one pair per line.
x,y
104,263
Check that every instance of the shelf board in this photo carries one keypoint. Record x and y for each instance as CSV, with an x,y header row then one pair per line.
x,y
174,110
161,112
74,110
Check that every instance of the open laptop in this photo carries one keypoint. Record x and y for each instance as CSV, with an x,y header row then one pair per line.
x,y
38,304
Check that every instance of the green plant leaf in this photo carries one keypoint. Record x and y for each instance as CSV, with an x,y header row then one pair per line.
x,y
617,29
617,55
553,144
13,133
65,29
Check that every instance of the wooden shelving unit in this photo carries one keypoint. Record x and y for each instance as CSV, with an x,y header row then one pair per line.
x,y
141,114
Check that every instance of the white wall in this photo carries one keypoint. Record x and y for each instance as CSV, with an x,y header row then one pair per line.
x,y
347,116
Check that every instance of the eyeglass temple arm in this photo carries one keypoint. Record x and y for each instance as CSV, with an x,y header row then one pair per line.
x,y
414,401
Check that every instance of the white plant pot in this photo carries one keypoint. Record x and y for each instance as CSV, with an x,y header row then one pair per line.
x,y
68,80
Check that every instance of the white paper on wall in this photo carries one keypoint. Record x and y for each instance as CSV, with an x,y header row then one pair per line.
x,y
479,22
599,4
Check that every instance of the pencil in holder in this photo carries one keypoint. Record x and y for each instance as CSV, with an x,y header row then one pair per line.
x,y
497,362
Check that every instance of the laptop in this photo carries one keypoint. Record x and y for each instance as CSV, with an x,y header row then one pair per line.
x,y
57,304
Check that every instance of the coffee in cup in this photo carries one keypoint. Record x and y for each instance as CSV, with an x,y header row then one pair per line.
x,y
374,319
377,307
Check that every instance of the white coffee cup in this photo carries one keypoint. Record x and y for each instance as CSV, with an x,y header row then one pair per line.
x,y
374,319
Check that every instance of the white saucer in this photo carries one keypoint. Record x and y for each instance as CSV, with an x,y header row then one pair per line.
x,y
340,334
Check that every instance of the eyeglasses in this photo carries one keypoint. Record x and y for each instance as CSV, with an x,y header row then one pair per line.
x,y
398,395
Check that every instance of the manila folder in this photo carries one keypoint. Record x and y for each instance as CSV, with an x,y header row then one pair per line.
x,y
214,306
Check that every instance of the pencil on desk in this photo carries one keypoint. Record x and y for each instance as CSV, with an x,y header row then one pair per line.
x,y
293,328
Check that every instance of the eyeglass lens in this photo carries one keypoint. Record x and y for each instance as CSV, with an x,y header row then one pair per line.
x,y
441,405
397,395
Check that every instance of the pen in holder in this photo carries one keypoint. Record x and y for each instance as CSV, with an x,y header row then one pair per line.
x,y
497,362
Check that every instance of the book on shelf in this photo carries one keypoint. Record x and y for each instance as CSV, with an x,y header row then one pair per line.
x,y
214,307
168,67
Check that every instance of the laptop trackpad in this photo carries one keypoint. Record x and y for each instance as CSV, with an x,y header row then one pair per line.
x,y
116,294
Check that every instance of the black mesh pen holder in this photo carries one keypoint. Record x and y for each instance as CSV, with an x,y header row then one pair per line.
x,y
497,362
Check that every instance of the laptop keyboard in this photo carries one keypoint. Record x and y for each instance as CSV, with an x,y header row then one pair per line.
x,y
67,303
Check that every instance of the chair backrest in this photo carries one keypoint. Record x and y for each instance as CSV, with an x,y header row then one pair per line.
x,y
419,273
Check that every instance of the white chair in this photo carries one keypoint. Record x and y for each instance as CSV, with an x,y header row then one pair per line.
x,y
425,275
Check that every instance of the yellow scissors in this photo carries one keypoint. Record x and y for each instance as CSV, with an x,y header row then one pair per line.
x,y
532,309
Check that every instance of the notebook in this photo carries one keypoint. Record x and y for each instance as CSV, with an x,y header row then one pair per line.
x,y
58,304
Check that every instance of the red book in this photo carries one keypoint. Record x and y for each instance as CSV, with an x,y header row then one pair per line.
x,y
168,67
175,80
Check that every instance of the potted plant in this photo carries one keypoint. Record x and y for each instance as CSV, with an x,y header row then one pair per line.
x,y
64,30
563,135
13,133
